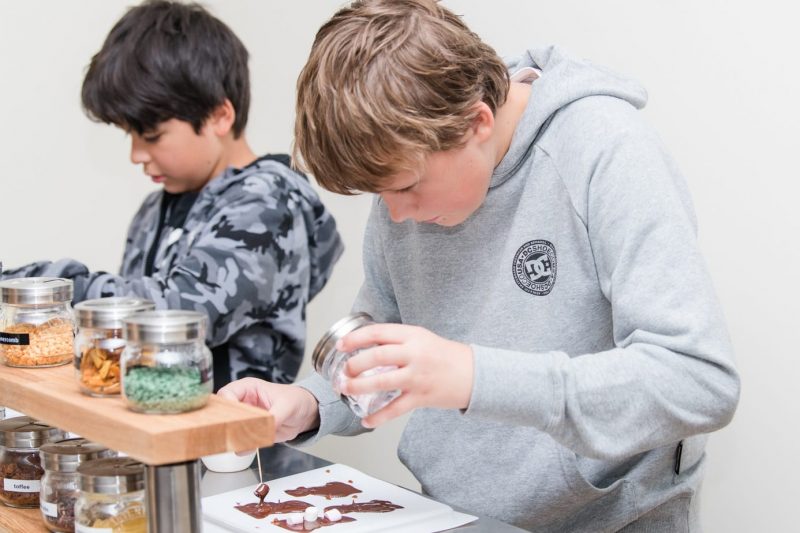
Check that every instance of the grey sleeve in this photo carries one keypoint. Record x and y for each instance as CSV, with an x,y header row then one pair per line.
x,y
671,373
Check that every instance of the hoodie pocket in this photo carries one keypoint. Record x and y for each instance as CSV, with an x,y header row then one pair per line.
x,y
603,508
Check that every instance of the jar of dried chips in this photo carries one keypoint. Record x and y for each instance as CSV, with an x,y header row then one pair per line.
x,y
166,366
112,497
37,326
101,340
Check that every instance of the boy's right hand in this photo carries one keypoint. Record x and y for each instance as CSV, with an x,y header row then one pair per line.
x,y
295,409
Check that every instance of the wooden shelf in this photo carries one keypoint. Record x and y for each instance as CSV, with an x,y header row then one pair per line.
x,y
21,520
52,395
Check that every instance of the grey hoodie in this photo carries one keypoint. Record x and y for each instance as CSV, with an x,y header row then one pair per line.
x,y
601,354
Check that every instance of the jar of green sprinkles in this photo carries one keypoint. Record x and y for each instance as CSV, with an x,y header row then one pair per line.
x,y
166,366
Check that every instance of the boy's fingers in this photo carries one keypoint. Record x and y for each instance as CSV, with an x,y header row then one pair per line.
x,y
374,334
384,355
385,381
400,406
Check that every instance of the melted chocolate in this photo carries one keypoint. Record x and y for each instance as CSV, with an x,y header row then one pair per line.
x,y
261,492
373,506
334,489
310,526
263,510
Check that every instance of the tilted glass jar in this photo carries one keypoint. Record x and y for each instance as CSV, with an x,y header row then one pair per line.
x,y
166,366
100,341
20,465
61,483
330,363
37,326
111,499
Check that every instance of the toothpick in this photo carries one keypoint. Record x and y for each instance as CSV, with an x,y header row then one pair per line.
x,y
258,460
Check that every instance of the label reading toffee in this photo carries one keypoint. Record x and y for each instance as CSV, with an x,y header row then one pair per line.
x,y
21,485
15,339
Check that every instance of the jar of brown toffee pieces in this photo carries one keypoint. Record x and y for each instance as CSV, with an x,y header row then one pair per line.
x,y
61,483
37,326
112,497
100,341
20,467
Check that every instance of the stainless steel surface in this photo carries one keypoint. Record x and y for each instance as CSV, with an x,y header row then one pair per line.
x,y
173,498
35,291
112,475
25,432
280,461
109,313
164,327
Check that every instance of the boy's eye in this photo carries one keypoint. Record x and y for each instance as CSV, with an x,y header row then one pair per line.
x,y
151,138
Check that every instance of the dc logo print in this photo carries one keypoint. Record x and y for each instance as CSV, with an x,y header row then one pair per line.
x,y
534,267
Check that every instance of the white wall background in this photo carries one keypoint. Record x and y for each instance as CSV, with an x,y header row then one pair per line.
x,y
724,87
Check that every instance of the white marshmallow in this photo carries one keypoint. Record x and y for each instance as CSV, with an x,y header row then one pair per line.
x,y
333,515
311,514
294,519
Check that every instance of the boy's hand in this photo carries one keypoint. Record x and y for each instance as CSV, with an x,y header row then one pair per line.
x,y
295,409
431,371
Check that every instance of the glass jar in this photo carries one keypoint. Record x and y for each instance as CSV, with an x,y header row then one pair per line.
x,y
166,366
20,466
100,341
60,483
111,499
36,322
330,364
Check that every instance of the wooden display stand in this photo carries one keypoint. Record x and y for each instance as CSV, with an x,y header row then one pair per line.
x,y
52,396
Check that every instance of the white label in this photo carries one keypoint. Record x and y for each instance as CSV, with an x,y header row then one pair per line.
x,y
21,485
48,509
86,529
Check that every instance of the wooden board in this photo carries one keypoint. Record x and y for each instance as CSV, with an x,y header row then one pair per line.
x,y
52,395
21,520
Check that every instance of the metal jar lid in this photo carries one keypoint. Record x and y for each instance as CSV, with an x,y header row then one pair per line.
x,y
35,291
66,455
114,475
109,313
26,432
165,326
327,343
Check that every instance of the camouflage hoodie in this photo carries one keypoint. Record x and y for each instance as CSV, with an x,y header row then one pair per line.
x,y
256,245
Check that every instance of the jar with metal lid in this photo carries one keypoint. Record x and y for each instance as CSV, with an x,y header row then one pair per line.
x,y
166,366
330,364
37,326
100,341
20,466
61,483
111,499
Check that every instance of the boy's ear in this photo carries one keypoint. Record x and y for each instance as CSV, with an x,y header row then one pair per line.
x,y
222,118
483,123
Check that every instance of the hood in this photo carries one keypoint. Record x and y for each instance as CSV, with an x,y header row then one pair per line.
x,y
563,80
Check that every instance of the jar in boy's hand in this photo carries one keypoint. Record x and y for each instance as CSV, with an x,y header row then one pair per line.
x,y
330,364
166,366
37,326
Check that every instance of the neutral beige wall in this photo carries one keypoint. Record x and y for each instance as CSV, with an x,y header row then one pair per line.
x,y
723,89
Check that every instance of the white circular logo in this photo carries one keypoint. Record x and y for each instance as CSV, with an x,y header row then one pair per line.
x,y
534,267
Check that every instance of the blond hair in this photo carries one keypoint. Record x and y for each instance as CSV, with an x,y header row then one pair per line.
x,y
387,83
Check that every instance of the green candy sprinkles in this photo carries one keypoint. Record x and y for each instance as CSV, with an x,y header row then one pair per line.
x,y
165,389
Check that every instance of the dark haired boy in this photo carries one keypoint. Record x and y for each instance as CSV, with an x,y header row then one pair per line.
x,y
242,238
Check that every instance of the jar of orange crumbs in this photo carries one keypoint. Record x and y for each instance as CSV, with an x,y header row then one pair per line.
x,y
37,326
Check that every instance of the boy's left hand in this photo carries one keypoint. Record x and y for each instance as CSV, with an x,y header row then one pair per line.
x,y
431,371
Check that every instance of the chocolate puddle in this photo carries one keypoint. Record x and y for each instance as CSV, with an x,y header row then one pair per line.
x,y
333,489
373,506
263,510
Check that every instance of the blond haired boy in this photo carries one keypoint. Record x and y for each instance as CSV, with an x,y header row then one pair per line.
x,y
531,255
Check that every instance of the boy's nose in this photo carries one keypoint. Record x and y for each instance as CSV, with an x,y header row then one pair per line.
x,y
138,153
399,209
